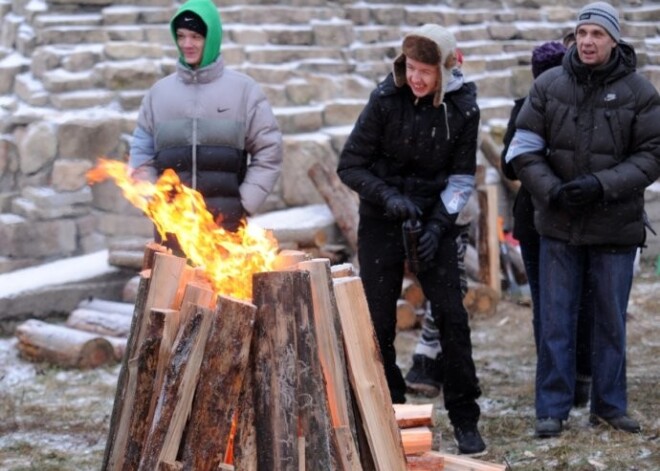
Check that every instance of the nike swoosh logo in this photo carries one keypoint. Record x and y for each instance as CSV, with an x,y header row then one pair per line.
x,y
221,110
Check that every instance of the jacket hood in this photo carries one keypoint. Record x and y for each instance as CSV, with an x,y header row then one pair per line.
x,y
209,14
415,45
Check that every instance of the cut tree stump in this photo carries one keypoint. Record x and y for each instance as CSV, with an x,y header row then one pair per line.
x,y
62,345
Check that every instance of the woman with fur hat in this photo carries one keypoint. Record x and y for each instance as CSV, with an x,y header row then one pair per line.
x,y
412,156
212,125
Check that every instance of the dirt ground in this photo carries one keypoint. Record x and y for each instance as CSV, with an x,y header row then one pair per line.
x,y
53,419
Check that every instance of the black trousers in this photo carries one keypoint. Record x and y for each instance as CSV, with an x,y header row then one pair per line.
x,y
381,256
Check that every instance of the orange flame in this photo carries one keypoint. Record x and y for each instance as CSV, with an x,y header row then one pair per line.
x,y
229,259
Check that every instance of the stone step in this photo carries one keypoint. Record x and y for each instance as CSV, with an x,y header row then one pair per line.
x,y
81,99
283,54
130,15
50,20
268,14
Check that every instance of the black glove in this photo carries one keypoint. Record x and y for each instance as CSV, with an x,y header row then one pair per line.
x,y
398,206
584,190
429,241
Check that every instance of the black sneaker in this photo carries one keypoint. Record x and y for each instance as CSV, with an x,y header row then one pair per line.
x,y
582,392
425,376
469,440
622,422
548,427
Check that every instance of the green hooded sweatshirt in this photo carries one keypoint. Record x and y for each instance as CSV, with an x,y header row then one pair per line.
x,y
209,13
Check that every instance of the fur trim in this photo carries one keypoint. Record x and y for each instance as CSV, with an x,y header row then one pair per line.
x,y
430,44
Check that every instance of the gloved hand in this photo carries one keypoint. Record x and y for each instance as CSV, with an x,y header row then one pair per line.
x,y
398,206
429,241
583,190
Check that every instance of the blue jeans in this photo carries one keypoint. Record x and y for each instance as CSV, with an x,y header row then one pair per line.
x,y
566,272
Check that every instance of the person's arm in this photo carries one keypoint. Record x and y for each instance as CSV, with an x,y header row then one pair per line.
x,y
527,151
641,167
141,156
263,142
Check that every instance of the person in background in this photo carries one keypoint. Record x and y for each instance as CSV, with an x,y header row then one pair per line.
x,y
412,157
426,375
213,126
586,146
544,57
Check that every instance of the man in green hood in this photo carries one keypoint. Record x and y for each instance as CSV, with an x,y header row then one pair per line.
x,y
212,125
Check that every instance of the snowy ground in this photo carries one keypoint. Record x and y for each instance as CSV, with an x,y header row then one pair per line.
x,y
54,419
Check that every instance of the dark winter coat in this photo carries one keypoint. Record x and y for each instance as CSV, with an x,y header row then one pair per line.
x,y
405,144
601,121
523,206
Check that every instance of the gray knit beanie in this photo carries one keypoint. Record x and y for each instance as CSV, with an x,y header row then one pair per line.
x,y
601,14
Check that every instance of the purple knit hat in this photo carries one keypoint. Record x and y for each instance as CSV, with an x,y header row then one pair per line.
x,y
547,56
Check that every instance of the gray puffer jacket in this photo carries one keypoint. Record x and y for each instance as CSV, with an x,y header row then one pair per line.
x,y
601,121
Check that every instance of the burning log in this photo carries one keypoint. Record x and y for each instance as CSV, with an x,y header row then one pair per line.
x,y
165,277
175,399
277,419
367,376
142,374
62,345
221,376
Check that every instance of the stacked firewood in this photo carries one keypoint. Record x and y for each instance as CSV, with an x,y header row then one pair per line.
x,y
289,380
94,334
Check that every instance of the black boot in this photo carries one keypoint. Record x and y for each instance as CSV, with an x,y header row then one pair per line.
x,y
425,376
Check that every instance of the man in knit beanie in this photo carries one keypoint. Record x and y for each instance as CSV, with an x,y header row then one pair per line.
x,y
586,146
601,14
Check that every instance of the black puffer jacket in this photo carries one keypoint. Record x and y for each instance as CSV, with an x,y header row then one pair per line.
x,y
601,121
408,145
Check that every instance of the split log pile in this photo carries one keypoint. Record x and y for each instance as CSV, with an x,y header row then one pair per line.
x,y
287,381
94,334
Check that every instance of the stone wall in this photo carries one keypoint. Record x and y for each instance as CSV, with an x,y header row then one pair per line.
x,y
73,73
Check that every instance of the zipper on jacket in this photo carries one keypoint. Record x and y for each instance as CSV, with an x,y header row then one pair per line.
x,y
194,139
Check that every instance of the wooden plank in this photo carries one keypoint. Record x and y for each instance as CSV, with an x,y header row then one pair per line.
x,y
314,418
489,244
367,376
413,415
333,362
416,440
465,463
342,201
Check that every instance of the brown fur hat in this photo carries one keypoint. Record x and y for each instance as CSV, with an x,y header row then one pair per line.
x,y
430,44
